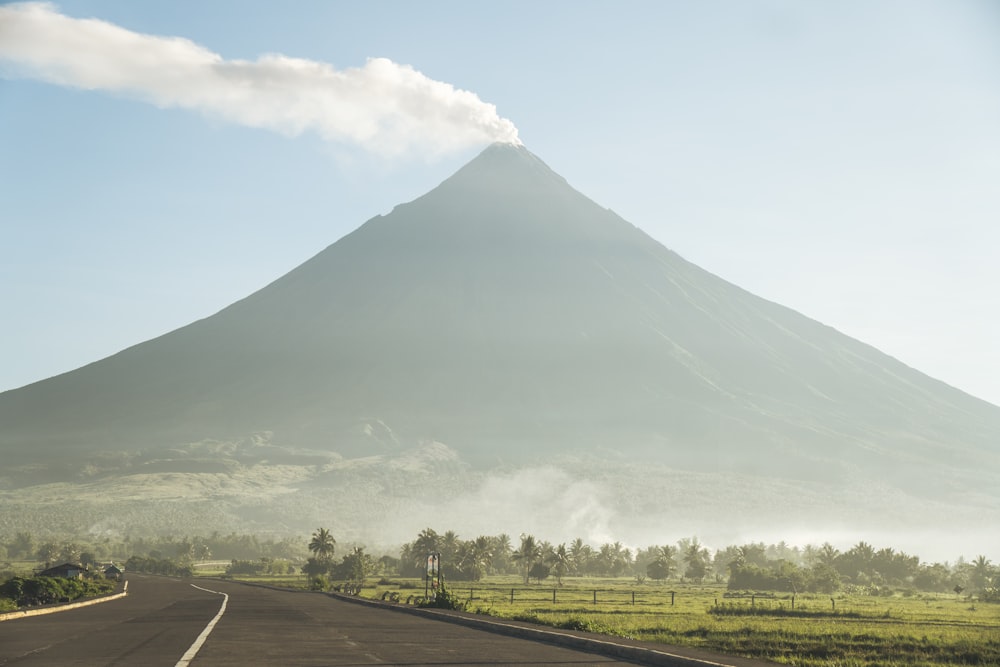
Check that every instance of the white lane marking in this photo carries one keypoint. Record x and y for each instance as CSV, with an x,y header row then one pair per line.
x,y
196,646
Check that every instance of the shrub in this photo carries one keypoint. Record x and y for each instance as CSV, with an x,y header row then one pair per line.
x,y
34,591
252,567
152,565
316,567
574,624
445,599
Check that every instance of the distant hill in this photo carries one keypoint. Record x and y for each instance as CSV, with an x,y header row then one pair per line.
x,y
512,321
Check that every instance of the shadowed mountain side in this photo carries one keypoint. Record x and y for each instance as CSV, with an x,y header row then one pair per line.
x,y
510,317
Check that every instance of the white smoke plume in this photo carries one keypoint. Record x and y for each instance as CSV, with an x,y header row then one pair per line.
x,y
383,107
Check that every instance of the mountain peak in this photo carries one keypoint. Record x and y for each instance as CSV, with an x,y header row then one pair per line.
x,y
501,150
506,166
507,195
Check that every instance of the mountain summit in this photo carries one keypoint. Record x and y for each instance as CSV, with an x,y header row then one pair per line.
x,y
512,319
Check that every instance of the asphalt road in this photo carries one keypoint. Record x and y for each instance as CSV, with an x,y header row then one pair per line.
x,y
161,618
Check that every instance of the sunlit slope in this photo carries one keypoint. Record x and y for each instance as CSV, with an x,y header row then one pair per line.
x,y
508,316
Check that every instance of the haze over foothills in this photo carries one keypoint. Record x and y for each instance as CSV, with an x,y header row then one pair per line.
x,y
163,162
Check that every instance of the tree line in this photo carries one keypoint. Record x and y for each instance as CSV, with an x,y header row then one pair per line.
x,y
187,548
754,565
751,566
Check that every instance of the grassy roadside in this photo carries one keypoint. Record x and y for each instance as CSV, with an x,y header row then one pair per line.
x,y
843,630
820,631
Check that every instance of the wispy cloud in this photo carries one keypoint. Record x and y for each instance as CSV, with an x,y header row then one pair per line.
x,y
382,106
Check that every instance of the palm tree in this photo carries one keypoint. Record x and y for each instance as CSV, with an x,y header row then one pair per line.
x,y
580,556
475,556
623,559
560,559
857,563
662,562
500,551
665,561
865,552
427,542
696,557
981,572
753,554
827,554
605,559
322,544
449,548
529,552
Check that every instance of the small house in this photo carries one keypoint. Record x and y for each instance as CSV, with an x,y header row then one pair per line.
x,y
66,571
113,572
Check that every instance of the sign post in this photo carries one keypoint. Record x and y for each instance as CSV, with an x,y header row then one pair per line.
x,y
433,577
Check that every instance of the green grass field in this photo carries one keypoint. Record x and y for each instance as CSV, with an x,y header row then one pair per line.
x,y
283,581
843,630
847,630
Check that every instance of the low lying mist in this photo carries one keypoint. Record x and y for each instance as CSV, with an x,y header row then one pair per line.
x,y
384,501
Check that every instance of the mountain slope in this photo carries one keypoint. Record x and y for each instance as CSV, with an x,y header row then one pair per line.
x,y
511,318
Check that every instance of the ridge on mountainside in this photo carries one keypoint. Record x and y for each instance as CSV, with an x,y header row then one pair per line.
x,y
511,318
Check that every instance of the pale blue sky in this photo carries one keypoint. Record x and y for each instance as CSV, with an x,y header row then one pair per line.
x,y
840,158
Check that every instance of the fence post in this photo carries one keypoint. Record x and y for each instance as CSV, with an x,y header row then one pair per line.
x,y
553,596
633,598
672,598
512,596
595,596
793,602
753,601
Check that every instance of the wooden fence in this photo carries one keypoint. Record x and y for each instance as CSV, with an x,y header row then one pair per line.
x,y
565,596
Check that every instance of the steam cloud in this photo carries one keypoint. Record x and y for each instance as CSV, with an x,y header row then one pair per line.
x,y
383,106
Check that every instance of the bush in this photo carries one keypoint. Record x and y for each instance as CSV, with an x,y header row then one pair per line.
x,y
34,591
445,599
251,567
152,565
539,571
575,624
585,625
316,567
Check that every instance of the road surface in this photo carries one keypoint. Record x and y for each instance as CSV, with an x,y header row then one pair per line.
x,y
161,619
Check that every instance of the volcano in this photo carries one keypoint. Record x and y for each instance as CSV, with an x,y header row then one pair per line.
x,y
508,319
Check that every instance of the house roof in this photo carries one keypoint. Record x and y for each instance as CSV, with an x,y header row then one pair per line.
x,y
61,569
